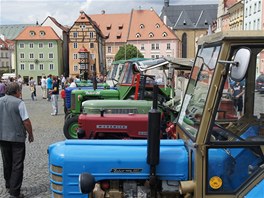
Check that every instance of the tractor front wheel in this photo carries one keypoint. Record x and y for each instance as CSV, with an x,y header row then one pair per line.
x,y
70,128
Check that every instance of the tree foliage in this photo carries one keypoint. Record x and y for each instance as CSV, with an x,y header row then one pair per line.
x,y
127,52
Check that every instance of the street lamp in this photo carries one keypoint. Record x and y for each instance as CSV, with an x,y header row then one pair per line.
x,y
84,62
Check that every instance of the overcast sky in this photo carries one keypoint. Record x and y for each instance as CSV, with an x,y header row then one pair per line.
x,y
67,11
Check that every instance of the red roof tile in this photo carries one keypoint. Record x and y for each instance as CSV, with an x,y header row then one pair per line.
x,y
38,33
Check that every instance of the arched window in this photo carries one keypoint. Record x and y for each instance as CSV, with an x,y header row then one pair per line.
x,y
151,34
184,45
157,25
138,35
142,26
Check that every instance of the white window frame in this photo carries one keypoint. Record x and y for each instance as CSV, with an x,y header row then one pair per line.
x,y
22,66
31,55
75,34
51,54
75,56
75,68
40,56
51,66
31,45
50,45
41,45
22,55
29,68
41,65
75,45
22,45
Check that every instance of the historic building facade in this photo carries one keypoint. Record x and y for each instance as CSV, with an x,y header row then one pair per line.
x,y
38,52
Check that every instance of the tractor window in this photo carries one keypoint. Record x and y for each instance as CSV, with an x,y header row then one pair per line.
x,y
230,168
127,74
197,90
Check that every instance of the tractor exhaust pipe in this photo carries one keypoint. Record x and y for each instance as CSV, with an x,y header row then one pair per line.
x,y
153,149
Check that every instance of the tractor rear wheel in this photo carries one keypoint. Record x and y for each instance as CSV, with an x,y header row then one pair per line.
x,y
70,128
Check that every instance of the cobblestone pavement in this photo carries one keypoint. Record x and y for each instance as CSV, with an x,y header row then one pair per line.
x,y
47,129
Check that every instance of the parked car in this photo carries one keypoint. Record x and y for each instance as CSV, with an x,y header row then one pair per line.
x,y
260,83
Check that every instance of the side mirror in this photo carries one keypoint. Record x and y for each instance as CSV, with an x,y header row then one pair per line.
x,y
240,65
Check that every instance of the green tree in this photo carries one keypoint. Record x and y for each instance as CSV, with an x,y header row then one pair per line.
x,y
127,52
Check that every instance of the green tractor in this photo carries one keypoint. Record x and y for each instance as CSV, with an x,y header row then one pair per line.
x,y
135,83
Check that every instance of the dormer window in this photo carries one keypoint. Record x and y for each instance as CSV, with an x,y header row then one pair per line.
x,y
42,33
119,34
32,33
157,25
120,26
164,34
142,26
138,35
151,35
108,27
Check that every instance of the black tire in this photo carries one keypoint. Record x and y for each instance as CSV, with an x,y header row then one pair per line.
x,y
70,128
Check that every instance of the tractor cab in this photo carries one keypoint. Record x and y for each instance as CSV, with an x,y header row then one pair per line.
x,y
221,118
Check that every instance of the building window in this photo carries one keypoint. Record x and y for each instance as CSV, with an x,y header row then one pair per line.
x,y
41,56
153,46
22,66
91,34
91,45
164,34
50,45
82,26
75,68
75,45
184,45
109,49
31,55
141,26
42,33
157,56
31,45
138,35
41,45
153,56
21,45
157,25
32,33
75,34
31,67
151,34
51,66
92,56
168,46
41,67
75,56
22,55
157,46
142,47
50,55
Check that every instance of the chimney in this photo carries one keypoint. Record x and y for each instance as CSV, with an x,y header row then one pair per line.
x,y
166,3
165,19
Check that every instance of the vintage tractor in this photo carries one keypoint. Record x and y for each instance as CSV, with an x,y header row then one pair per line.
x,y
213,157
135,82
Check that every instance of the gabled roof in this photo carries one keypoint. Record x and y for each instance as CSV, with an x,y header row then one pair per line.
x,y
189,16
84,18
114,26
38,33
11,31
6,43
65,29
147,25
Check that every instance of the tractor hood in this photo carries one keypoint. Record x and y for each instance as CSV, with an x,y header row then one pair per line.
x,y
112,159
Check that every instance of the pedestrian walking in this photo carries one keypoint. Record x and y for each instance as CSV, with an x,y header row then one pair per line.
x,y
32,87
2,89
49,86
20,83
44,87
63,81
54,96
14,126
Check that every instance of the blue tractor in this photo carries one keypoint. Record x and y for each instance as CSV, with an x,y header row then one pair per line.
x,y
215,156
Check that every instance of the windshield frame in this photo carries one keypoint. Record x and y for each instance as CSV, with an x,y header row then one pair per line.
x,y
205,63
